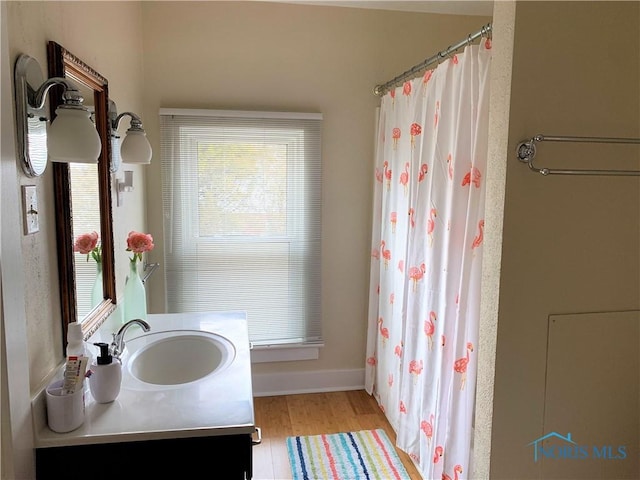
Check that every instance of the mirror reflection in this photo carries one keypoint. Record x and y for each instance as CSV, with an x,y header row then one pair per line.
x,y
85,192
83,181
83,206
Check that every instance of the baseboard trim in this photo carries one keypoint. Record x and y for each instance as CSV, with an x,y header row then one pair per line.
x,y
290,383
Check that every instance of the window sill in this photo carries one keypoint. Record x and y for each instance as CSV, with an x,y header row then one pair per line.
x,y
285,353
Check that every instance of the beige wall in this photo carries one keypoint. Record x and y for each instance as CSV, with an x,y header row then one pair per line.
x,y
257,56
106,35
15,414
498,156
570,244
220,55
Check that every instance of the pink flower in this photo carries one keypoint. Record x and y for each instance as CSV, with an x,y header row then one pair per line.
x,y
138,243
87,244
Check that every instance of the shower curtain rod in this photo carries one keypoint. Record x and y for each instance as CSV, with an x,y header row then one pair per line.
x,y
380,90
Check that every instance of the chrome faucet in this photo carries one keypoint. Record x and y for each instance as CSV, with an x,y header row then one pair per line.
x,y
117,345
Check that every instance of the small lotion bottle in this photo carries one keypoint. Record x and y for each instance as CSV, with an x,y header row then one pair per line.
x,y
75,343
77,347
106,376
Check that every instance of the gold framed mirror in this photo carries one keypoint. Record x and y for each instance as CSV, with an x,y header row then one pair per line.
x,y
72,182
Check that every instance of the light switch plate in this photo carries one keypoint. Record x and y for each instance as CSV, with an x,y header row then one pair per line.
x,y
30,209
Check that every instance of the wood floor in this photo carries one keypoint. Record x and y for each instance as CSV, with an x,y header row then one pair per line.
x,y
312,414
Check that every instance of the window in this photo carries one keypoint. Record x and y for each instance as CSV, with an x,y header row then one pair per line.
x,y
241,202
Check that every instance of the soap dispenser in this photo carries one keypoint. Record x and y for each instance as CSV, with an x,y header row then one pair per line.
x,y
106,376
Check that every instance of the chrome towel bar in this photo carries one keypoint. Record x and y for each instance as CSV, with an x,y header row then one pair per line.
x,y
526,152
151,267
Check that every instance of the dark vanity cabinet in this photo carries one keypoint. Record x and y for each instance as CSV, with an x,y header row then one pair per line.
x,y
221,457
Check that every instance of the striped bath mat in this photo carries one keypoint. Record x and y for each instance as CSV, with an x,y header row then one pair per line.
x,y
363,455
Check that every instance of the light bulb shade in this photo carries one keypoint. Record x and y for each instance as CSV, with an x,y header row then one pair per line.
x,y
73,138
135,148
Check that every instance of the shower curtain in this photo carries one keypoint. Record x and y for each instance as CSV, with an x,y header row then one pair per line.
x,y
424,298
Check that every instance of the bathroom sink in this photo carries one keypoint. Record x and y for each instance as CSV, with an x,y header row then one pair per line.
x,y
176,357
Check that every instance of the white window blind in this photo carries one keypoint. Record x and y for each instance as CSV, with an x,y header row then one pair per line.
x,y
86,219
241,201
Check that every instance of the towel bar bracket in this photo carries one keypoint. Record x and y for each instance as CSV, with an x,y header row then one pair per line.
x,y
527,152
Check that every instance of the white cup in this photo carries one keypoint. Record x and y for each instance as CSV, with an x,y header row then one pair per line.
x,y
64,412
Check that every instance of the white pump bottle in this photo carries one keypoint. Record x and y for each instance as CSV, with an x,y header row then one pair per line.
x,y
106,376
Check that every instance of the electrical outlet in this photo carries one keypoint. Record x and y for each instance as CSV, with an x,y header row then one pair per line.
x,y
30,209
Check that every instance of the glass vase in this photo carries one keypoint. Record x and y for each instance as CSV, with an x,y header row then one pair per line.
x,y
97,292
135,298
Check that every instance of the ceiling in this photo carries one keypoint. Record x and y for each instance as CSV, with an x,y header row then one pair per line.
x,y
452,7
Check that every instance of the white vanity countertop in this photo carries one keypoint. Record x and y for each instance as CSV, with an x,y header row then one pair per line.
x,y
221,404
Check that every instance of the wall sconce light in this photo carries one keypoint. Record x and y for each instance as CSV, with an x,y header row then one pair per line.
x,y
72,137
115,152
135,147
124,185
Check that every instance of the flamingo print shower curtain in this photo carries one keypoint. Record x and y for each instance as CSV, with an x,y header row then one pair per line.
x,y
426,261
